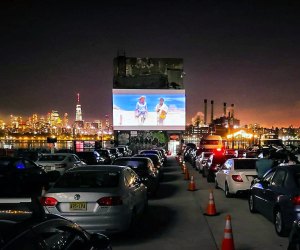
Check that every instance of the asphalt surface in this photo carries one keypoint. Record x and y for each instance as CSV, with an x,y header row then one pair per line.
x,y
175,219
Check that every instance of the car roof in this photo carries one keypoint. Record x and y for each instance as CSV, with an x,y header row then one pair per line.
x,y
63,154
98,168
133,158
243,159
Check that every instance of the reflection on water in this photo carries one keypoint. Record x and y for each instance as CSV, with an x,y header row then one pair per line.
x,y
38,144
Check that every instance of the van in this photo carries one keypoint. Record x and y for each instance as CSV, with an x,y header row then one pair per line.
x,y
211,143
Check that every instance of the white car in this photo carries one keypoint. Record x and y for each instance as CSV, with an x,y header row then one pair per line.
x,y
59,162
235,175
106,198
201,160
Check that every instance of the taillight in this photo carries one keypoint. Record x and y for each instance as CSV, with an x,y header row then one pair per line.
x,y
110,201
296,200
237,178
48,201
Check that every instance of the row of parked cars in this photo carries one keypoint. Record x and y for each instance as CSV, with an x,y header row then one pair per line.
x,y
99,198
276,195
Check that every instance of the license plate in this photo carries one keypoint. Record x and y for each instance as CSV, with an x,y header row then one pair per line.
x,y
78,206
52,168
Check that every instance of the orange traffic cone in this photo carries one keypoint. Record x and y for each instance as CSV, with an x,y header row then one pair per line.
x,y
227,243
187,174
192,185
211,207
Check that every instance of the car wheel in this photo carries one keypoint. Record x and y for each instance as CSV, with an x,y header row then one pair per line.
x,y
279,224
216,184
227,193
251,203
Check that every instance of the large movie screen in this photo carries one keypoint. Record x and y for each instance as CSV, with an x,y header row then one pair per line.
x,y
148,109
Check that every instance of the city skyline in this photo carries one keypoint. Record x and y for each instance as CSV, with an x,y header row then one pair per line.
x,y
244,53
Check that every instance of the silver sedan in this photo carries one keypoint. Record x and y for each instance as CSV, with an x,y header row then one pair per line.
x,y
99,198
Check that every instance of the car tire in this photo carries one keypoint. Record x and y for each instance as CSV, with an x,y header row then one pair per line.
x,y
251,204
279,224
227,193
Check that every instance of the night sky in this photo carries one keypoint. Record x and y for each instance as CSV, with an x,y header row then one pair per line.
x,y
245,53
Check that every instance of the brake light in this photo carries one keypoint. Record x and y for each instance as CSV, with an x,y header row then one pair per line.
x,y
296,200
110,201
48,201
237,178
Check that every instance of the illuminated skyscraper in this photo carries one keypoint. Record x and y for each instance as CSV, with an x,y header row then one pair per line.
x,y
78,110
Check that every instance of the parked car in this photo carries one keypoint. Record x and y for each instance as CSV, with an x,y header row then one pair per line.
x,y
156,162
46,231
201,160
124,150
235,175
108,157
145,169
100,199
163,152
153,151
59,162
212,166
277,197
19,175
115,152
91,157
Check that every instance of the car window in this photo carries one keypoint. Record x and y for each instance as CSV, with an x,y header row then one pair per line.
x,y
227,164
278,178
76,158
52,158
245,164
29,164
88,179
269,176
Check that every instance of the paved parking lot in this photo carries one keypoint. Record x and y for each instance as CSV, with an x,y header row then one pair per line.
x,y
175,219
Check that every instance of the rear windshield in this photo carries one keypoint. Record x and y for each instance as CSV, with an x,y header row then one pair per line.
x,y
52,158
139,166
219,159
245,164
86,179
210,142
